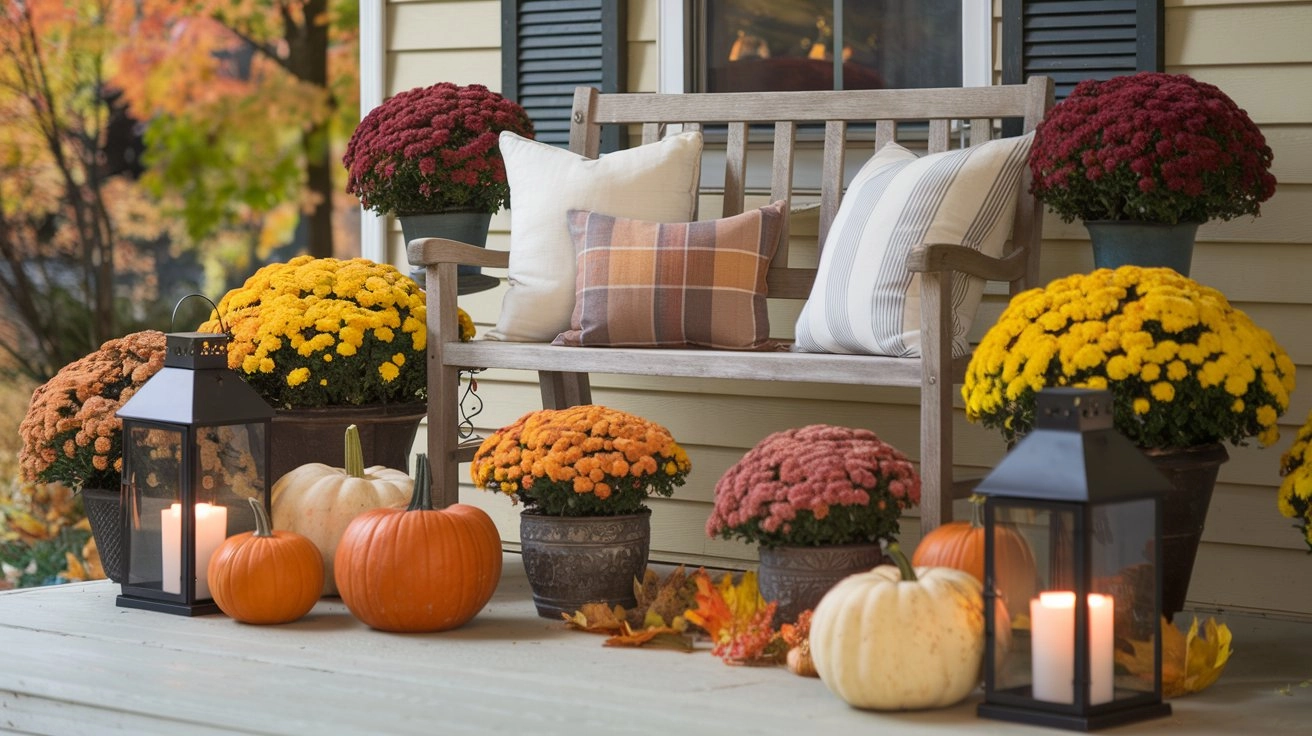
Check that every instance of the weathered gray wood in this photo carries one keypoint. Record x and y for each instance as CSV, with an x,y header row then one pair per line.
x,y
831,179
735,169
74,664
938,135
766,366
819,107
563,372
584,131
781,179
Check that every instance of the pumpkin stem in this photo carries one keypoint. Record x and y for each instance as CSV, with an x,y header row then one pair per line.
x,y
354,464
421,498
976,511
263,527
903,564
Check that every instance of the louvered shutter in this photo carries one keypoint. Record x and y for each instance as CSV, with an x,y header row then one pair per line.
x,y
1073,40
549,47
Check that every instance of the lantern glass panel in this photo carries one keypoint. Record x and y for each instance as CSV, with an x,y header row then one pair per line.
x,y
1123,569
1031,552
153,458
231,470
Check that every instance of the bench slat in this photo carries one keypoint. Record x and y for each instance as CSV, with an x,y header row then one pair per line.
x,y
831,179
735,169
859,370
849,105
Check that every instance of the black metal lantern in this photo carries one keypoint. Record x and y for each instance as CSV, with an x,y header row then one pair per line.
x,y
1072,546
196,437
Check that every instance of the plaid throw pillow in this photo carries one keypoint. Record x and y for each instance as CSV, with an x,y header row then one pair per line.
x,y
667,285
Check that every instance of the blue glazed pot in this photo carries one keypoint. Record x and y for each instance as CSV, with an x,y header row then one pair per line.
x,y
463,226
1128,243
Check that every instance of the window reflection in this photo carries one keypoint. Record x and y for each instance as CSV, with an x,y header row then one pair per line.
x,y
762,45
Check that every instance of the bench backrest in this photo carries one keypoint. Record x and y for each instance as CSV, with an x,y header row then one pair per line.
x,y
972,109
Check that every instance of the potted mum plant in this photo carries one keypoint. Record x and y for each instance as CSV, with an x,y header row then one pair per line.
x,y
329,343
1144,159
1186,369
1295,496
819,501
430,157
71,434
583,474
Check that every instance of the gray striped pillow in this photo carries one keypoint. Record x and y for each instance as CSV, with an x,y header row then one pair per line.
x,y
864,301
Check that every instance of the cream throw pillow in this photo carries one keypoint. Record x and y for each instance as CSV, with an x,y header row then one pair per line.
x,y
656,182
864,300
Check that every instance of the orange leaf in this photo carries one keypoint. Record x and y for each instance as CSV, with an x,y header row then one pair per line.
x,y
665,637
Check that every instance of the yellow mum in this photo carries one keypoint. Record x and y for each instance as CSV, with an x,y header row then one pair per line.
x,y
1190,367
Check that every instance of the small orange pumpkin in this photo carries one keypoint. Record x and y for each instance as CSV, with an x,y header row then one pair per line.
x,y
960,544
418,569
266,576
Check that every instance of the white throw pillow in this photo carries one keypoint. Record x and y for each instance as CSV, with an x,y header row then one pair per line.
x,y
655,182
864,300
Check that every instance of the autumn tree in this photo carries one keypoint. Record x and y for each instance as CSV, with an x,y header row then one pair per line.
x,y
58,187
245,100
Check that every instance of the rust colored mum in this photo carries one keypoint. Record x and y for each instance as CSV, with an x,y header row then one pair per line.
x,y
582,461
70,434
433,149
813,486
1152,147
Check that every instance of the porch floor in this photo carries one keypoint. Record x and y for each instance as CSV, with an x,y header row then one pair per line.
x,y
72,662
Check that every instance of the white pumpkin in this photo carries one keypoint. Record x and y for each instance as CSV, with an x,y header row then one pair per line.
x,y
894,639
318,501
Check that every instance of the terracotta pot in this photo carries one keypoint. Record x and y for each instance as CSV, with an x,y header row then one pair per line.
x,y
572,560
798,577
387,432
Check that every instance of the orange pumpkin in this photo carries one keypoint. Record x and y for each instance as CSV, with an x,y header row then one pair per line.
x,y
266,576
418,569
960,544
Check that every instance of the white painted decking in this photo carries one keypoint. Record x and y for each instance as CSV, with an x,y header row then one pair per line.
x,y
73,663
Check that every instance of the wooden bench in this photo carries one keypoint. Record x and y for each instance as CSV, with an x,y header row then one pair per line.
x,y
563,371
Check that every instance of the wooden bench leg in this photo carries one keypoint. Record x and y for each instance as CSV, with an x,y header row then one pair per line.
x,y
563,390
936,401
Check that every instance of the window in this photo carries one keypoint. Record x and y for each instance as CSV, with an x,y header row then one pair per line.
x,y
755,45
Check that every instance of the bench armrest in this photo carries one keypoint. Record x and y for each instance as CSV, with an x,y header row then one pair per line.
x,y
431,251
943,257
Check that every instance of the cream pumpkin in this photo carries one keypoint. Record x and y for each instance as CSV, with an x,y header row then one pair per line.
x,y
897,639
318,501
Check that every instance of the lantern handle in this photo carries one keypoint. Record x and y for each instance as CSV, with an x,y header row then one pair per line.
x,y
174,318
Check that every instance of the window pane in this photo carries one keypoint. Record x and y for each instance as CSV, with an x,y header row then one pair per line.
x,y
760,45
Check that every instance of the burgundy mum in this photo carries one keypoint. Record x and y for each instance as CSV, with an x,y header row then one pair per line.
x,y
1151,147
434,149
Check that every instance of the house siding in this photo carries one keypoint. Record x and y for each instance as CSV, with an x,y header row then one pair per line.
x,y
1255,51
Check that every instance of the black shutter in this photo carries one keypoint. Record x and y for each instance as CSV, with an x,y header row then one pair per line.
x,y
1073,40
549,47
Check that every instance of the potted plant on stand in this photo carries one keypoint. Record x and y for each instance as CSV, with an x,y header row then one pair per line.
x,y
430,157
1295,496
582,474
71,434
819,501
1186,369
1145,159
330,343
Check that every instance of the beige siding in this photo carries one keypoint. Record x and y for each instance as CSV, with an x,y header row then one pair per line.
x,y
1256,51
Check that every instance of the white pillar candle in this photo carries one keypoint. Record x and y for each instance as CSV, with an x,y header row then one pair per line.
x,y
211,530
1052,647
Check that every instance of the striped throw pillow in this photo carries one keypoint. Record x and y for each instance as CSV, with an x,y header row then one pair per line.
x,y
667,285
864,300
